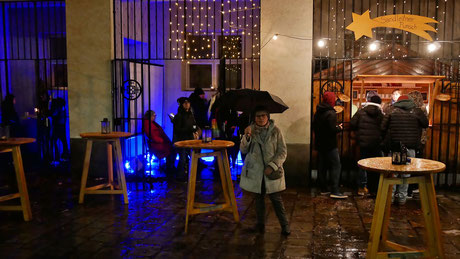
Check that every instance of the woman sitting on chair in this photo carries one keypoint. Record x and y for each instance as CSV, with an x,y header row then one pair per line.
x,y
158,141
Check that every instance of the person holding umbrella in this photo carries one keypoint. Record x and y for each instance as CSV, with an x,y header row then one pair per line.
x,y
263,171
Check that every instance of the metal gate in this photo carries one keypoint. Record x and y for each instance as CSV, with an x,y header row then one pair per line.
x,y
33,68
338,58
209,44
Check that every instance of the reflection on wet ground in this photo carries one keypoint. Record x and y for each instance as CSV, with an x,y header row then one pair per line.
x,y
152,224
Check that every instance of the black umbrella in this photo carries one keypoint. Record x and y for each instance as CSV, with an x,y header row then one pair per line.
x,y
247,99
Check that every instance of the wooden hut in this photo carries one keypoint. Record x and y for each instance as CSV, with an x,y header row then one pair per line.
x,y
438,83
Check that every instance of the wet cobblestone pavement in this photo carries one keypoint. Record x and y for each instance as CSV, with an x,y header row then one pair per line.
x,y
152,224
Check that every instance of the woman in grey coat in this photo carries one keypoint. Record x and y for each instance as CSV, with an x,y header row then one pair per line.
x,y
266,152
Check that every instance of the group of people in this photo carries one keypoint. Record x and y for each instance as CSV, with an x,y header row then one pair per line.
x,y
52,119
262,144
403,120
190,118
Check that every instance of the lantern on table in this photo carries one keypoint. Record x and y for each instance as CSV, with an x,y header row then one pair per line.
x,y
206,135
105,126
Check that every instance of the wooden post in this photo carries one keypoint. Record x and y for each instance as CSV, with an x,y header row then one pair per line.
x,y
22,185
230,185
191,187
361,92
84,177
431,215
432,100
110,164
121,171
378,218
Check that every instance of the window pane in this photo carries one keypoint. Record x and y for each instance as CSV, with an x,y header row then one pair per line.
x,y
233,76
199,47
200,76
230,46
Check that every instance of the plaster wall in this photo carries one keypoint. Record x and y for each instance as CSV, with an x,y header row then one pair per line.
x,y
286,72
89,52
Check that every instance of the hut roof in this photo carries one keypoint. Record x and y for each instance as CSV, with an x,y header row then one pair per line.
x,y
369,64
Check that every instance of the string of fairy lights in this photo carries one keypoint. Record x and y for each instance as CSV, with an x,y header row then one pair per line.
x,y
339,41
201,29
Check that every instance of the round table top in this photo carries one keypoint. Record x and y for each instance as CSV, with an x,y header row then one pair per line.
x,y
416,166
198,144
16,141
111,135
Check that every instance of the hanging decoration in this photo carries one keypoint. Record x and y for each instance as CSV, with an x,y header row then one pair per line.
x,y
362,25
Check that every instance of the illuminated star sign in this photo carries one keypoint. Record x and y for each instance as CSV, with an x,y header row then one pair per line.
x,y
362,25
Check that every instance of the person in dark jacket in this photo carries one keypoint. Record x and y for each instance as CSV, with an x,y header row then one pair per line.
x,y
366,122
326,129
157,140
184,128
199,107
10,117
405,124
58,128
388,107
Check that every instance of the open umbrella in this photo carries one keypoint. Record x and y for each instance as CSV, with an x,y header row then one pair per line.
x,y
246,100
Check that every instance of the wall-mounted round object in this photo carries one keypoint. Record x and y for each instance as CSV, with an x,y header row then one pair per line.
x,y
443,97
343,97
131,89
338,109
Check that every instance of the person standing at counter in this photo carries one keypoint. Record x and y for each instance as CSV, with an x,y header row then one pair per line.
x,y
405,124
326,129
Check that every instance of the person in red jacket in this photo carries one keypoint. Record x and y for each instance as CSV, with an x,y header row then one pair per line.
x,y
157,140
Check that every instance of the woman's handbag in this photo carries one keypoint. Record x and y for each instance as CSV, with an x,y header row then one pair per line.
x,y
276,174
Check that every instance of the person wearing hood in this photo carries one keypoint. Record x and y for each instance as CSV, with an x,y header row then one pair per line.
x,y
184,128
326,129
366,122
199,107
265,149
405,124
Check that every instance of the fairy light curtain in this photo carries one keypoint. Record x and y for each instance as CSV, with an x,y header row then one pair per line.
x,y
190,29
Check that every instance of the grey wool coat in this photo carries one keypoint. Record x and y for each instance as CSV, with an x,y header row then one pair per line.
x,y
274,151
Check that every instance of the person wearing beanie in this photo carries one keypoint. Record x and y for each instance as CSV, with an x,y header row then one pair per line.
x,y
366,125
325,128
404,125
199,107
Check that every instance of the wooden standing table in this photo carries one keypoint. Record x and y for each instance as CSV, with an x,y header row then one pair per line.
x,y
219,148
421,171
112,138
14,145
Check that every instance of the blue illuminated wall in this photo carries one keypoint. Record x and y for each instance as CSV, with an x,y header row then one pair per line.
x,y
32,56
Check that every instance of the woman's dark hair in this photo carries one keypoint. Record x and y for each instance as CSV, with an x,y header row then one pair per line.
x,y
259,108
9,114
148,114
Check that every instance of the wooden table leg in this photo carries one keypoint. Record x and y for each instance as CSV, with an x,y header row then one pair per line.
x,y
230,185
378,218
121,171
223,178
386,216
431,215
191,187
84,177
22,184
110,164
